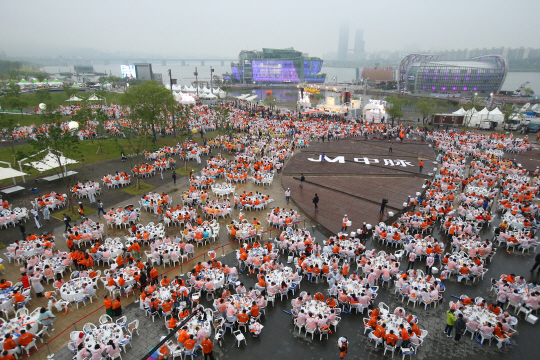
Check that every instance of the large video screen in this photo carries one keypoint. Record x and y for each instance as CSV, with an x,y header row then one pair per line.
x,y
128,71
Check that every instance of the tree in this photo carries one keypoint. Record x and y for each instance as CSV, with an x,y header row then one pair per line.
x,y
474,103
18,103
507,111
43,96
424,107
62,143
148,103
528,91
69,91
222,115
40,77
393,108
270,101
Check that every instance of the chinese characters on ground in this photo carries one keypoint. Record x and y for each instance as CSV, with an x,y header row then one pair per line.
x,y
363,160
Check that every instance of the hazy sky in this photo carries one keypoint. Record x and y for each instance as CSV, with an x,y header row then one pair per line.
x,y
223,28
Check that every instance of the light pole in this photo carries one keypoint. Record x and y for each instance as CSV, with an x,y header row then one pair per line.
x,y
211,75
196,81
170,79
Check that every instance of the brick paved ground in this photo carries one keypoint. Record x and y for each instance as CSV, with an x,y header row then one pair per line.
x,y
279,339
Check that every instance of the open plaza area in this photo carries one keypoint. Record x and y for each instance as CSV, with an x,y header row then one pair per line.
x,y
290,236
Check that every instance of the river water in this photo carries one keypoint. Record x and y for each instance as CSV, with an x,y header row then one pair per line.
x,y
184,74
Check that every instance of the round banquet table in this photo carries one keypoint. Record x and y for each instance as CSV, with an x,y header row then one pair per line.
x,y
102,334
73,291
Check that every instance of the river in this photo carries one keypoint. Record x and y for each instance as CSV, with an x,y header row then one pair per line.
x,y
184,74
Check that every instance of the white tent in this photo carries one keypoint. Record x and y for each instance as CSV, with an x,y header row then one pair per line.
x,y
496,115
6,173
176,87
373,112
51,161
209,96
190,89
94,97
56,83
205,90
242,97
459,112
251,98
184,98
74,98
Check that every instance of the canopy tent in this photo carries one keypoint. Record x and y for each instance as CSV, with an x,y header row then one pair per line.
x,y
209,96
496,115
94,97
75,85
459,112
6,173
242,97
251,98
56,83
190,89
373,112
51,161
74,98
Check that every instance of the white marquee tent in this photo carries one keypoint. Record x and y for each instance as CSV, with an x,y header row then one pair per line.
x,y
6,173
51,161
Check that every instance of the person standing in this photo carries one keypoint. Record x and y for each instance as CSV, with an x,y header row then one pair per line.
x,y
344,224
174,177
117,307
36,217
450,320
207,348
316,202
100,208
421,164
412,258
343,346
23,232
302,179
67,220
390,148
287,195
46,213
383,206
536,261
108,306
46,318
460,327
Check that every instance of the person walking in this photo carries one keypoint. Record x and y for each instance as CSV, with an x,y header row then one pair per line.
x,y
450,320
390,148
36,217
460,327
536,261
316,202
343,346
207,348
67,220
46,318
100,208
383,206
174,177
23,232
421,164
302,179
288,195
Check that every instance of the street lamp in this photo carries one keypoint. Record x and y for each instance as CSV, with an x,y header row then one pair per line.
x,y
211,76
196,81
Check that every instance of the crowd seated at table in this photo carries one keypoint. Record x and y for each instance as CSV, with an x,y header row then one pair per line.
x,y
118,179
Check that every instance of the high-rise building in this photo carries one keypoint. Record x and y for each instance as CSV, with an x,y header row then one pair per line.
x,y
359,42
343,45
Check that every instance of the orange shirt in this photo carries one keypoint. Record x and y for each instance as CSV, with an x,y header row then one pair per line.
x,y
116,304
108,303
207,346
25,339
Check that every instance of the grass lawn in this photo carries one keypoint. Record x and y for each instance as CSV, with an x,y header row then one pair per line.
x,y
89,149
144,188
59,98
75,216
180,170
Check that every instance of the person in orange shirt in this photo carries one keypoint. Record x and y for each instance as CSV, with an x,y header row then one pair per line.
x,y
154,275
117,307
9,344
122,284
108,306
189,344
25,338
331,302
120,261
207,348
165,281
4,284
163,352
373,321
391,338
183,335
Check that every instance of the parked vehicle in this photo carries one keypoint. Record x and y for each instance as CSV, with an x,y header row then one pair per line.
x,y
532,127
512,125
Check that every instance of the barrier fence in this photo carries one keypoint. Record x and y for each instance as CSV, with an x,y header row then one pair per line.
x,y
276,230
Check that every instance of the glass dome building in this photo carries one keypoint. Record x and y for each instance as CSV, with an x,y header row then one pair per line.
x,y
426,74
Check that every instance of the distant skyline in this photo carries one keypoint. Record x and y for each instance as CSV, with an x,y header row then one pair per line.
x,y
186,28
